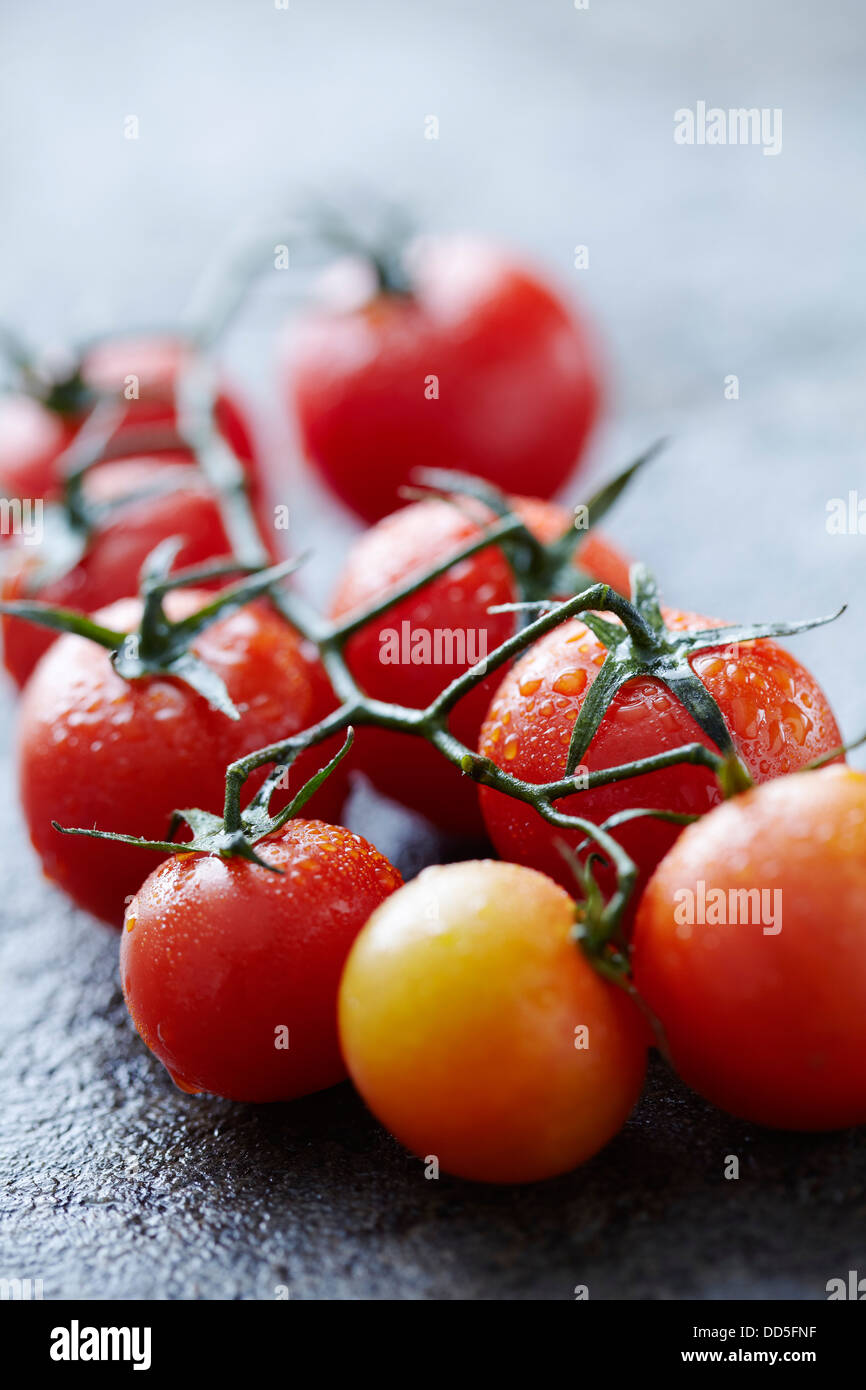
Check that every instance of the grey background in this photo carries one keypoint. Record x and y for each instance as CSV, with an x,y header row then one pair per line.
x,y
555,129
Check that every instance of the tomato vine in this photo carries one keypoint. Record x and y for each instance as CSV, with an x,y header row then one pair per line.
x,y
637,643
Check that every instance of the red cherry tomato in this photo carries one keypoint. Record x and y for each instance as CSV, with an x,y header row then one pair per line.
x,y
152,366
96,750
230,972
477,1031
778,716
110,567
412,539
33,436
31,439
750,948
481,367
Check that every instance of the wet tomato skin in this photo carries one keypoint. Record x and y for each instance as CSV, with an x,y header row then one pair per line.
x,y
384,557
95,750
778,716
768,1025
516,374
459,1013
217,956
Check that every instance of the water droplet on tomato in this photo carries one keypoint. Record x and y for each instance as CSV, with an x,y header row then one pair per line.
x,y
570,682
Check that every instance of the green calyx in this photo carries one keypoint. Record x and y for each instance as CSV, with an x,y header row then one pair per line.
x,y
161,646
540,569
67,395
643,645
379,235
212,834
70,396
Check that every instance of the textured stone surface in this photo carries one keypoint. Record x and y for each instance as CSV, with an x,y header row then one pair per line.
x,y
115,1185
555,130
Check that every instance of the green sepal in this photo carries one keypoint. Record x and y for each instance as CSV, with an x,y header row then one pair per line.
x,y
256,818
209,832
186,667
645,597
162,647
62,620
609,634
562,552
211,838
643,645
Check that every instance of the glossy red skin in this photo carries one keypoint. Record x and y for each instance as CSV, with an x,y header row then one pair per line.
x,y
518,381
97,751
218,954
109,569
400,765
778,716
32,437
769,1026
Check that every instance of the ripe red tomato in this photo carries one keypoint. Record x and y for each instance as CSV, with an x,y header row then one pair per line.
x,y
387,555
481,367
115,552
778,716
478,1032
96,750
33,436
766,1017
31,439
156,362
230,972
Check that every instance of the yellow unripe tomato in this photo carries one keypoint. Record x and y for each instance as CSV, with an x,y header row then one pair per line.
x,y
478,1032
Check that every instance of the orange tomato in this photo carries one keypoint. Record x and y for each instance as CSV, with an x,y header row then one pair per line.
x,y
477,1030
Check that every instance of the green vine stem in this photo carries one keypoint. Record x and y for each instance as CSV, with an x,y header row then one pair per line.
x,y
162,646
196,401
641,643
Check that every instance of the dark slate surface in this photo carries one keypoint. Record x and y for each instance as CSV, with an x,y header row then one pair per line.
x,y
555,130
115,1185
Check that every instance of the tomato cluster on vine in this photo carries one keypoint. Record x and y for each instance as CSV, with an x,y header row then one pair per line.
x,y
184,747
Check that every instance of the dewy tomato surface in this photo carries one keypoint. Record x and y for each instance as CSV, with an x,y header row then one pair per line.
x,y
777,714
230,971
98,751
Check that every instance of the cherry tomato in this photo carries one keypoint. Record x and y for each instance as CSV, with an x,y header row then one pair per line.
x,y
750,948
152,365
32,435
454,607
96,750
778,716
230,972
477,1031
115,552
480,367
31,439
